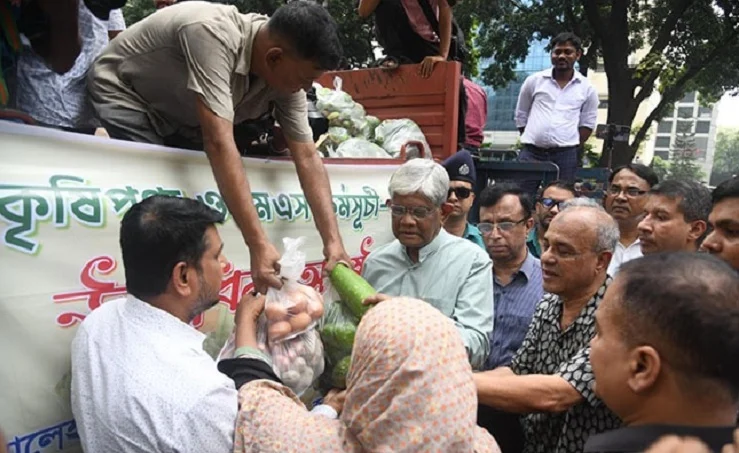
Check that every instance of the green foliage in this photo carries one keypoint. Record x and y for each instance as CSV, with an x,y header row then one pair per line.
x,y
135,10
660,167
726,156
683,164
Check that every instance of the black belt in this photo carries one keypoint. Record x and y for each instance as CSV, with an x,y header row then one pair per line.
x,y
550,150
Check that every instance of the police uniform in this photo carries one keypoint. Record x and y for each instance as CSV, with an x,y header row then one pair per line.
x,y
461,167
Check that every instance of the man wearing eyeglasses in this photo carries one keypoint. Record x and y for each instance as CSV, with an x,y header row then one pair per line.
x,y
426,262
547,207
625,201
461,170
506,217
676,217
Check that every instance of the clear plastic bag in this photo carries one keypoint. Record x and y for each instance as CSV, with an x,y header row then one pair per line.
x,y
393,134
338,329
298,362
332,103
361,148
341,110
295,308
328,142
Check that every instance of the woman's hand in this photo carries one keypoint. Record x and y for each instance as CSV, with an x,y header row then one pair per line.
x,y
335,398
246,319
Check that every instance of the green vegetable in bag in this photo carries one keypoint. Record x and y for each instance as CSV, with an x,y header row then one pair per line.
x,y
352,289
338,374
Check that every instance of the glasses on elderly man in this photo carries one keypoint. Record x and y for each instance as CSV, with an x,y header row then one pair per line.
x,y
419,212
487,228
462,193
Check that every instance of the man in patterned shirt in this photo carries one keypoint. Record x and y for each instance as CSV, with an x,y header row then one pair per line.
x,y
550,380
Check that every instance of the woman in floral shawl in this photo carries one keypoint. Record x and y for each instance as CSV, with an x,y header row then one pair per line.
x,y
409,389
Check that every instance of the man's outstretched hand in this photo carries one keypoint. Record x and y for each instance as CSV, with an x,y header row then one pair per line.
x,y
335,254
265,267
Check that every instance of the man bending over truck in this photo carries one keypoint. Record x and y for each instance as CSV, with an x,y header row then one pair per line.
x,y
188,73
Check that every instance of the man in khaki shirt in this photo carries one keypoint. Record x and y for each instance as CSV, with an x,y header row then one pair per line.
x,y
190,72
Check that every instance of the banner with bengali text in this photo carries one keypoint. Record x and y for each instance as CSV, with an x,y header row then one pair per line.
x,y
62,197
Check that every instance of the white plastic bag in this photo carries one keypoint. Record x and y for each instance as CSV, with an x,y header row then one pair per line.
x,y
393,134
295,308
361,148
298,362
341,110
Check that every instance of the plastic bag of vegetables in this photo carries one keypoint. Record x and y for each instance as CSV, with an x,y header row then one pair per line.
x,y
298,362
393,134
338,327
332,103
359,147
295,308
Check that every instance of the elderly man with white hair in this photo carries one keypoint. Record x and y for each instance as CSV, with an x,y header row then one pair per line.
x,y
425,262
550,381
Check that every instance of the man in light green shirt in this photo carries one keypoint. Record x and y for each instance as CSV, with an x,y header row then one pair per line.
x,y
425,262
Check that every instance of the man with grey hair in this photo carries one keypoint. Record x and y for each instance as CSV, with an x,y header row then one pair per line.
x,y
549,381
425,262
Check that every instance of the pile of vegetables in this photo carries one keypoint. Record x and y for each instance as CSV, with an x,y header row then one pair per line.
x,y
353,133
338,326
291,311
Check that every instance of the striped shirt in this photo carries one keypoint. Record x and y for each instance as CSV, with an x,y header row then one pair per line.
x,y
515,304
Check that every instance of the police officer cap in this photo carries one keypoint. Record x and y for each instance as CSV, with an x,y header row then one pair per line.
x,y
460,167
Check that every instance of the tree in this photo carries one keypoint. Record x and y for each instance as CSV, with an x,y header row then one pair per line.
x,y
356,34
683,163
690,45
726,156
660,167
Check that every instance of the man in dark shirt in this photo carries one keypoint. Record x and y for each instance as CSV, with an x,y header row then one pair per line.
x,y
547,206
549,380
664,356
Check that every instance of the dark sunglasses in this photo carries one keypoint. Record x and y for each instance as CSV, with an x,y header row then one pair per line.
x,y
549,203
462,193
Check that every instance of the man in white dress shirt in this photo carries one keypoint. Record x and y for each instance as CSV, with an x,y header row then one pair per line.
x,y
141,381
557,111
626,200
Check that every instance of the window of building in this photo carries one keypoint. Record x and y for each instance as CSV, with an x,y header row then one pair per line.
x,y
702,127
662,154
685,112
665,127
705,112
701,143
684,127
662,142
689,97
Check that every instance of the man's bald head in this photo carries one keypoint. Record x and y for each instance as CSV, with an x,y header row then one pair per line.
x,y
577,249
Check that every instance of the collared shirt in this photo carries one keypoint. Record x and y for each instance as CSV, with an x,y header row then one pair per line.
x,y
60,100
477,113
550,351
623,255
637,439
553,115
473,234
452,274
532,242
160,67
515,304
141,382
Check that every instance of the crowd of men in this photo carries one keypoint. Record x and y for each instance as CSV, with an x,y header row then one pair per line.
x,y
569,356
